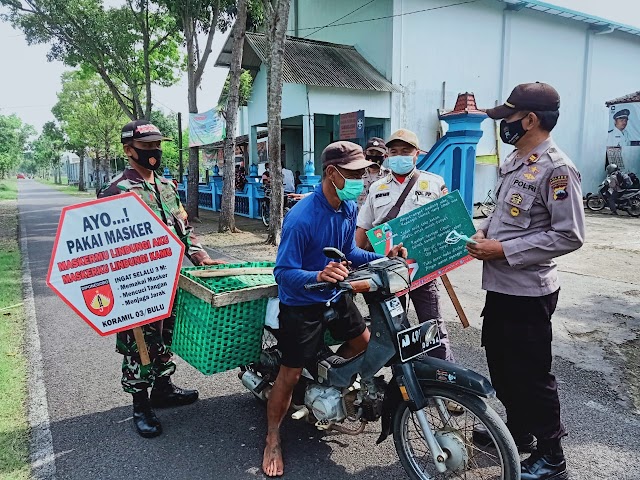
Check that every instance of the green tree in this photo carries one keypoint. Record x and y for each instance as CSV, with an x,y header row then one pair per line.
x,y
168,125
47,149
276,14
192,18
14,136
244,90
91,120
130,47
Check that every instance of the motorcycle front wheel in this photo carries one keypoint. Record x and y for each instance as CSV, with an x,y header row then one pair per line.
x,y
596,203
454,433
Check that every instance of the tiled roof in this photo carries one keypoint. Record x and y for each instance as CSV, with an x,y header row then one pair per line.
x,y
310,62
632,97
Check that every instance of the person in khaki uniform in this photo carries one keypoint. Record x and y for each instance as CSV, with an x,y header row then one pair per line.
x,y
383,195
375,151
141,143
539,216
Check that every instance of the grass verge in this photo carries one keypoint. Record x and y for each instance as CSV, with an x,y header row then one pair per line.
x,y
8,189
68,189
14,433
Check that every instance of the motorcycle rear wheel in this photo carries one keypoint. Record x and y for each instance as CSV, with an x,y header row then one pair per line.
x,y
634,207
454,434
264,211
595,203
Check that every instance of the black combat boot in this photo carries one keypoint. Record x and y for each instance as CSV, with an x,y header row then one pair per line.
x,y
145,421
165,394
545,463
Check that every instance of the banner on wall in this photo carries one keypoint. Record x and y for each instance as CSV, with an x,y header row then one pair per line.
x,y
623,137
206,128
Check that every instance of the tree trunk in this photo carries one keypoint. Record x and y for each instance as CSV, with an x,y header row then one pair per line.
x,y
81,186
98,179
193,179
277,35
227,222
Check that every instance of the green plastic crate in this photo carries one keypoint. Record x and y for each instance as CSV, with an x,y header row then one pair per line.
x,y
217,339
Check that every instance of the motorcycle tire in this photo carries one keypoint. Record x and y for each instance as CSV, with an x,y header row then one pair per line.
x,y
487,209
596,203
264,213
504,448
634,207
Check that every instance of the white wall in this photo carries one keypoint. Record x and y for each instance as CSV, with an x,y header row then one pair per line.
x,y
334,101
371,38
294,99
463,46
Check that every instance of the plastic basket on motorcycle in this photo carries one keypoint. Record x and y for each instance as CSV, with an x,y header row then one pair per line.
x,y
220,311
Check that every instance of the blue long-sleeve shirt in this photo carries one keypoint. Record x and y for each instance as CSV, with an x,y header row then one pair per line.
x,y
309,227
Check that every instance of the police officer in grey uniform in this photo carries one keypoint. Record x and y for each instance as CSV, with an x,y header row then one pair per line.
x,y
383,195
539,216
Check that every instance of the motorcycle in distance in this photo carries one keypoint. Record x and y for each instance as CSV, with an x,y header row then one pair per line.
x,y
430,406
628,200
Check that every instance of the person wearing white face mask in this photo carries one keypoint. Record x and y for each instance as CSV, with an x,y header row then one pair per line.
x,y
404,189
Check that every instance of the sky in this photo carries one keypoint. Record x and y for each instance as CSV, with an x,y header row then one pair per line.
x,y
29,83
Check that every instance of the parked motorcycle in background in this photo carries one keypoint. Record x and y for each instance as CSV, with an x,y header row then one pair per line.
x,y
628,200
430,406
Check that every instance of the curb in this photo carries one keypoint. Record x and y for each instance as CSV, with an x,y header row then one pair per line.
x,y
41,455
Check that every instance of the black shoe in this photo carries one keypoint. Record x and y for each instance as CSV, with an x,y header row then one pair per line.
x,y
144,419
165,394
526,443
547,462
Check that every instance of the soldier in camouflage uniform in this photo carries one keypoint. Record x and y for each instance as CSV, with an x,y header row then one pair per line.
x,y
141,142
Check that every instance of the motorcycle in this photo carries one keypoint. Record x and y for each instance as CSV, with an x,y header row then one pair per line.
x,y
628,200
430,406
265,206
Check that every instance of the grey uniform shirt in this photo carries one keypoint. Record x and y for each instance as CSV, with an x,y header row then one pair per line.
x,y
539,215
384,194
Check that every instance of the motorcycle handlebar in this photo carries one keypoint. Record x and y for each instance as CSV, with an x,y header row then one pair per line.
x,y
318,286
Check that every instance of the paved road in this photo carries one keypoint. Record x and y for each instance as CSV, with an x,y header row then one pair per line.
x,y
220,437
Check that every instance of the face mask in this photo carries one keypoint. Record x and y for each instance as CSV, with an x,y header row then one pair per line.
x,y
512,132
401,164
352,188
145,155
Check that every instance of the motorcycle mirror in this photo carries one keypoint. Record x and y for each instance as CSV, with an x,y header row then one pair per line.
x,y
334,253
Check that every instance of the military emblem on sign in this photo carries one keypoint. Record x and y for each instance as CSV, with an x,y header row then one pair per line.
x,y
516,199
98,297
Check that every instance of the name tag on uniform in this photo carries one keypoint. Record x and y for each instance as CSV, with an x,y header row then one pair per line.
x,y
420,193
384,194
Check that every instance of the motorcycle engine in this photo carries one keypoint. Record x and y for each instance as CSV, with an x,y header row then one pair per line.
x,y
325,403
370,398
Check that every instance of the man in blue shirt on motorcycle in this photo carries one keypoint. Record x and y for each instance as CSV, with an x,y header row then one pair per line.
x,y
326,218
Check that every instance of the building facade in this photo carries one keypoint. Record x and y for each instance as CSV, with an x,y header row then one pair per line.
x,y
429,51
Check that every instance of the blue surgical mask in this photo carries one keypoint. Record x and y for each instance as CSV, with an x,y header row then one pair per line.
x,y
401,164
351,190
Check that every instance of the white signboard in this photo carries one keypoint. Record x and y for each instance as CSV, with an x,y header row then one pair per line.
x,y
115,263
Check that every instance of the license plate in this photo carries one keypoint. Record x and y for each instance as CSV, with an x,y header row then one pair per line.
x,y
417,340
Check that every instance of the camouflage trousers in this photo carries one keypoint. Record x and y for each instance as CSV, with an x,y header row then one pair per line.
x,y
158,336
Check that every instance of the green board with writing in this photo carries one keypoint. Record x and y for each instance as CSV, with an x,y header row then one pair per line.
x,y
434,235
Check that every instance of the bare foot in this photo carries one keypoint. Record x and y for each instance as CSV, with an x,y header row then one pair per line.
x,y
272,463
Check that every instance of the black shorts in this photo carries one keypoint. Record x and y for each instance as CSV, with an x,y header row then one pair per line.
x,y
302,329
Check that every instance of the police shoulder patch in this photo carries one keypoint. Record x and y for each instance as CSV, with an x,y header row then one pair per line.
x,y
559,185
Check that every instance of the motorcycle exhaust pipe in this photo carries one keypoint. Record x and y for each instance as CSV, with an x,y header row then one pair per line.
x,y
251,381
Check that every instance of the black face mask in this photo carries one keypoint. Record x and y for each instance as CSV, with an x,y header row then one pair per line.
x,y
145,155
512,132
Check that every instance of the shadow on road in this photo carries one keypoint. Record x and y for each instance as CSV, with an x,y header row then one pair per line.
x,y
216,438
